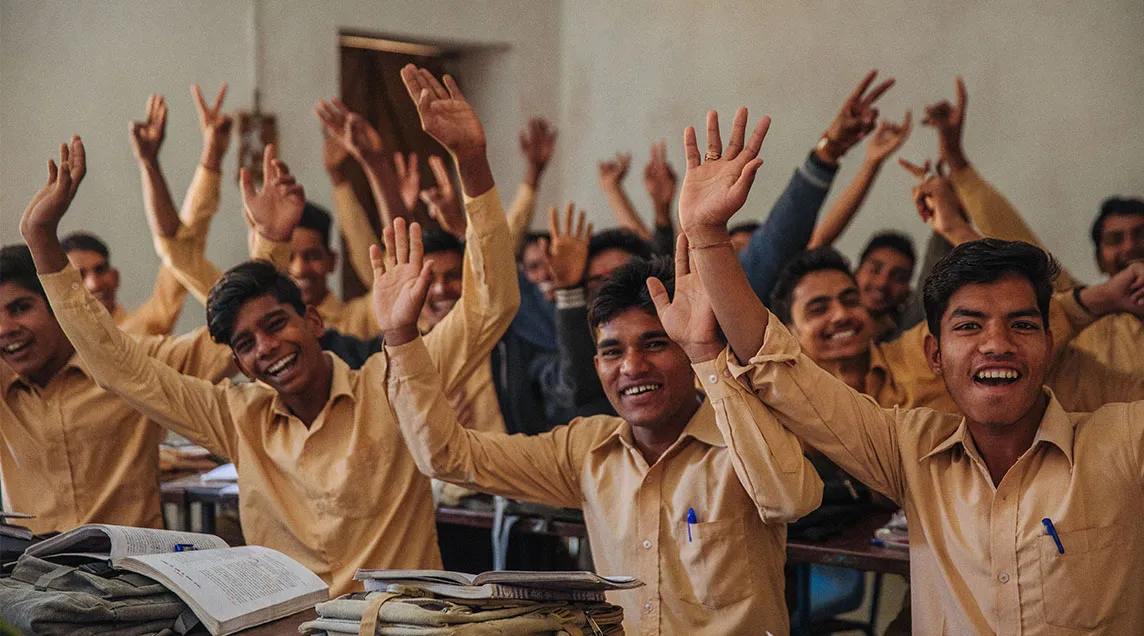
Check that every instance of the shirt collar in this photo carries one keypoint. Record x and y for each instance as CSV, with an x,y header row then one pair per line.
x,y
1056,428
701,427
340,385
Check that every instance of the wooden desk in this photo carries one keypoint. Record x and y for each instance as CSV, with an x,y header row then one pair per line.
x,y
851,548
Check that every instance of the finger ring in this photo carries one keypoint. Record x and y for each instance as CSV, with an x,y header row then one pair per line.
x,y
712,156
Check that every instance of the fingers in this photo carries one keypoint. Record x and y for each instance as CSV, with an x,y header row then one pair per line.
x,y
742,186
690,147
755,143
658,294
877,92
907,123
53,171
412,80
914,169
714,143
855,98
580,225
219,98
738,132
377,261
411,167
200,104
682,260
268,157
400,241
439,90
454,90
543,243
568,212
421,287
78,158
247,184
553,228
437,165
416,247
399,164
962,97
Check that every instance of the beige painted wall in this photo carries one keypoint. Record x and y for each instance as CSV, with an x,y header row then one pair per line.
x,y
1056,88
87,67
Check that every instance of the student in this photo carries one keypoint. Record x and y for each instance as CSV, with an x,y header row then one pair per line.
x,y
884,272
324,474
989,495
71,452
661,497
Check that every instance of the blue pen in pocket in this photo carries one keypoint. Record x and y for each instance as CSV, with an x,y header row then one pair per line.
x,y
690,520
1052,532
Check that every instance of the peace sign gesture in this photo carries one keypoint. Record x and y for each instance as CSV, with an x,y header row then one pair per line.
x,y
215,126
854,120
713,190
147,136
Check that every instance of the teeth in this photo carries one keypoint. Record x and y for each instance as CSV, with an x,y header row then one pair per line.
x,y
998,374
277,367
643,388
844,334
17,346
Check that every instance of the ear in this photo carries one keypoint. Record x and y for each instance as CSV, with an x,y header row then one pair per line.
x,y
333,260
596,363
933,353
314,323
115,278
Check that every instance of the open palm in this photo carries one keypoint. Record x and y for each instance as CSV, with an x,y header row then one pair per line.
x,y
445,113
48,205
276,209
713,190
399,290
687,317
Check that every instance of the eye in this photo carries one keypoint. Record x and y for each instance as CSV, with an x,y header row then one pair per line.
x,y
276,325
966,326
1026,325
609,353
656,345
20,307
242,345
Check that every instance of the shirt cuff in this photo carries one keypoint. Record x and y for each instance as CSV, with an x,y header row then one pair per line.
x,y
574,298
409,360
65,285
779,345
818,173
483,210
1078,316
716,377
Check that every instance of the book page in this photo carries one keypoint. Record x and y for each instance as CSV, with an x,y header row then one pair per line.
x,y
424,576
250,582
127,541
558,580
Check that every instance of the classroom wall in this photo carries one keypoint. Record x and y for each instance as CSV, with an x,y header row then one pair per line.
x,y
88,67
1055,119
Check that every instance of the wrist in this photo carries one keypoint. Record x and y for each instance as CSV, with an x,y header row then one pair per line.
x,y
956,160
828,151
701,352
398,336
532,175
475,173
1093,299
337,177
663,213
270,235
700,235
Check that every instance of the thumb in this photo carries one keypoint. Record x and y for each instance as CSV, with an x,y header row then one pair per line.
x,y
377,261
658,295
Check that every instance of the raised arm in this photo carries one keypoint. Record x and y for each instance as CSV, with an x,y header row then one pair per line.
x,y
443,202
612,174
788,228
537,143
886,140
846,426
767,459
352,219
987,208
660,181
489,293
191,407
539,468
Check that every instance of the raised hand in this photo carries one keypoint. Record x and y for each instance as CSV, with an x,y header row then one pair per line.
x,y
1124,292
687,317
659,178
408,179
442,201
399,290
887,138
147,136
949,120
854,120
215,126
612,173
713,190
360,139
334,157
537,142
276,209
47,207
445,113
567,250
938,204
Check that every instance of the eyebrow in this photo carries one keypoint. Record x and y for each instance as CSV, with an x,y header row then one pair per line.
x,y
654,334
1020,313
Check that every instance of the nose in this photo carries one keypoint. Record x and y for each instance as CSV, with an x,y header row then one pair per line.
x,y
633,363
438,288
91,282
264,345
296,267
996,340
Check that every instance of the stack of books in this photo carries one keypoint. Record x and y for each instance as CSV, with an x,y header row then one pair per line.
x,y
895,534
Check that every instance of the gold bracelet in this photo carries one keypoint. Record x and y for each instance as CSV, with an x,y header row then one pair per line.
x,y
727,243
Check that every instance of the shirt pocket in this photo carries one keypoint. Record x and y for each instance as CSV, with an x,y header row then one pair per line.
x,y
1078,592
716,559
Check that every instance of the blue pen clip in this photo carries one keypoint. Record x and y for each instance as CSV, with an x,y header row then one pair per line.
x,y
185,547
1052,532
690,520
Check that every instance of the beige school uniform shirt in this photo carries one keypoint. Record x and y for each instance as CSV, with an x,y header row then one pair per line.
x,y
981,561
344,493
742,474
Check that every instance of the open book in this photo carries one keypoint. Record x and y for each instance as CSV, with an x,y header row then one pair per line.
x,y
228,589
501,584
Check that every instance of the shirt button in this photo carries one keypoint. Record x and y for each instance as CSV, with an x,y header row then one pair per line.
x,y
712,378
726,373
75,285
1003,577
647,607
646,544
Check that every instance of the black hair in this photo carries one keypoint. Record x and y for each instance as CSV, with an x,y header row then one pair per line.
x,y
316,218
987,261
894,240
436,240
621,239
243,282
806,262
745,226
534,237
626,288
1114,206
86,242
17,266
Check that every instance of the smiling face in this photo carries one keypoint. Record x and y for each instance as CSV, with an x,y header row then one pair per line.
x,y
31,340
884,280
311,262
994,351
828,317
447,270
100,278
274,344
1121,242
534,264
646,375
